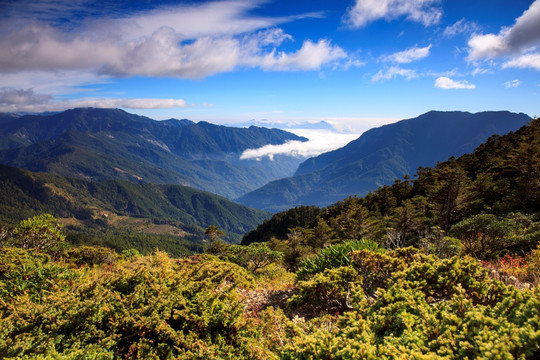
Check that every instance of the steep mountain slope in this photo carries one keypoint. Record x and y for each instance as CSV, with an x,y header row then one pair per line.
x,y
24,194
100,144
499,179
382,155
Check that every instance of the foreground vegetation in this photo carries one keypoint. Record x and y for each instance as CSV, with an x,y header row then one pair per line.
x,y
352,300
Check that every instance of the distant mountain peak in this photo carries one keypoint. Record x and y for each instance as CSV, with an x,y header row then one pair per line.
x,y
382,155
308,125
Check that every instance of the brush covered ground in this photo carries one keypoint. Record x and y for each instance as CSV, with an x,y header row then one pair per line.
x,y
352,300
446,266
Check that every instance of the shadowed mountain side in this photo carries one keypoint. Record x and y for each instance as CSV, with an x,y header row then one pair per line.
x,y
24,194
382,155
89,157
98,144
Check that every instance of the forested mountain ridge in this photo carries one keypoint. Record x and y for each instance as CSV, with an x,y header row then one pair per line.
x,y
183,137
100,144
489,199
381,155
24,194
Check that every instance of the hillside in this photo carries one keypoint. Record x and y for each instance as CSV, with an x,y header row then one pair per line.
x,y
24,194
99,144
488,199
382,155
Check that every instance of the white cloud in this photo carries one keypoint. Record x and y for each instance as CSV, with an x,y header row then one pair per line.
x,y
512,84
408,56
26,100
186,42
447,83
524,61
215,18
521,36
394,72
310,57
461,27
320,141
486,46
363,12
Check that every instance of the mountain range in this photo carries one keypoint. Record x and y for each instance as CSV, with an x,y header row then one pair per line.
x,y
99,144
320,125
382,155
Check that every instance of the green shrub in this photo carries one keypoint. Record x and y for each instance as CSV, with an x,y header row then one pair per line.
x,y
153,307
484,235
328,292
91,255
30,274
376,268
253,256
130,254
42,232
429,309
334,256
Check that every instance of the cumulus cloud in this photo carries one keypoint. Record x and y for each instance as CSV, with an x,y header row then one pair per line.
x,y
310,57
524,61
447,84
518,38
26,100
320,141
409,55
363,12
394,72
192,41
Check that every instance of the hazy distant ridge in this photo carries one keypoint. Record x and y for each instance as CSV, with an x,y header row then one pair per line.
x,y
381,155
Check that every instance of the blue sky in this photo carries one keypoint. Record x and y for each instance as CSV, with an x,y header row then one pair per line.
x,y
355,64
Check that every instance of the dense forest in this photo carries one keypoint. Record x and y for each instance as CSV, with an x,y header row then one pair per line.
x,y
442,266
121,214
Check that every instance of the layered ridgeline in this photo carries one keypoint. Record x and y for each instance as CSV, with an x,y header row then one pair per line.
x,y
98,144
382,155
488,199
94,210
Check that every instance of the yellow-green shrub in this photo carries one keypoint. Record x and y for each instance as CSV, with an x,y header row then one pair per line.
x,y
153,307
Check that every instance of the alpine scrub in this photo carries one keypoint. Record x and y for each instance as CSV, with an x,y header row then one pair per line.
x,y
379,304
